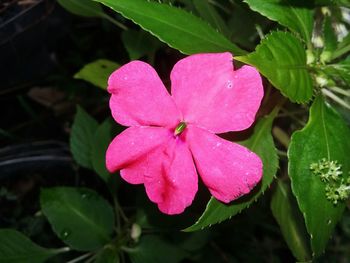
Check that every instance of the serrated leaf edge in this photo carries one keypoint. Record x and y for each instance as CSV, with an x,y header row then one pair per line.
x,y
172,46
194,226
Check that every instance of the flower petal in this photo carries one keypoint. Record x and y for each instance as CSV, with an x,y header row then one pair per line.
x,y
129,147
213,96
171,179
228,169
140,98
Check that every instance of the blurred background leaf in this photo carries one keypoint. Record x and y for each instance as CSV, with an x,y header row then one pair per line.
x,y
82,137
17,248
80,217
97,72
287,214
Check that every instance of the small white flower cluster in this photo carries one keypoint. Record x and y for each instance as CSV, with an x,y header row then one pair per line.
x,y
330,172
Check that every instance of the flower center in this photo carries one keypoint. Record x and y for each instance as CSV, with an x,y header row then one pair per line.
x,y
180,128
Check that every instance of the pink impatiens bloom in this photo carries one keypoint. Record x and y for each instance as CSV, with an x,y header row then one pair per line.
x,y
172,137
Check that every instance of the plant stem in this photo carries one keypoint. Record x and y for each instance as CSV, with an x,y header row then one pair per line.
x,y
119,213
281,136
334,97
124,217
222,7
61,250
296,112
91,259
260,31
84,256
341,91
128,249
341,51
292,116
113,21
282,153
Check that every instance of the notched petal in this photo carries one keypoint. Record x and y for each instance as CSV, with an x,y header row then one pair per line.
x,y
131,146
212,95
171,180
229,170
140,98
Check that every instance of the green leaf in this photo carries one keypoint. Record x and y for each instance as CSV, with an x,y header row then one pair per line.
x,y
196,240
82,137
343,48
281,58
17,248
176,27
153,249
342,3
102,139
332,3
187,5
79,216
286,212
107,255
330,38
339,72
86,8
290,13
251,20
345,42
139,43
209,13
326,135
261,142
97,72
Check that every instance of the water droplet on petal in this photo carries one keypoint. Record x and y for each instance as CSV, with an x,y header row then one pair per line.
x,y
218,144
229,84
65,233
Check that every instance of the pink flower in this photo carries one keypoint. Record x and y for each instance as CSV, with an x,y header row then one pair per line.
x,y
171,137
